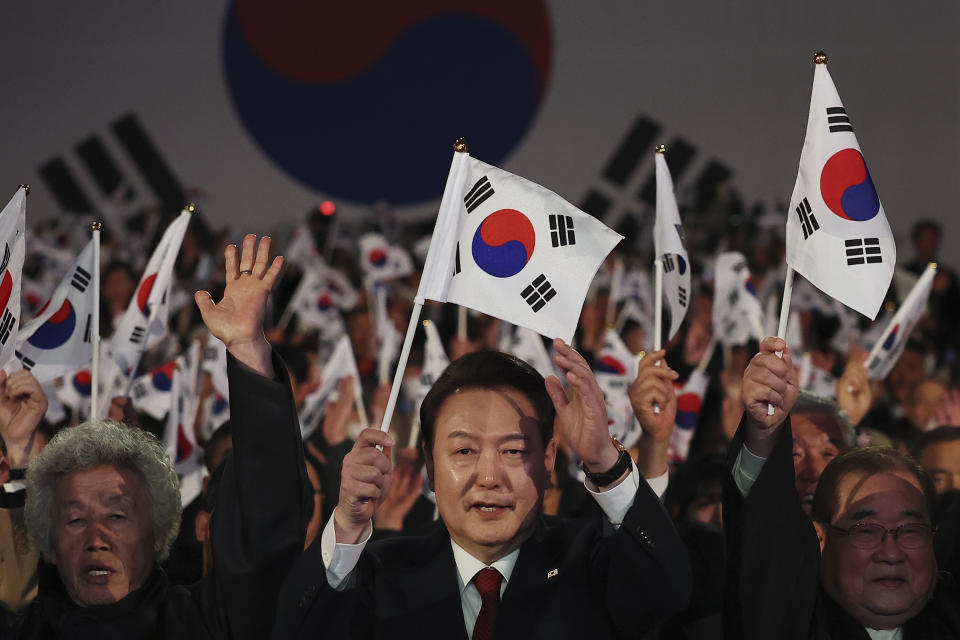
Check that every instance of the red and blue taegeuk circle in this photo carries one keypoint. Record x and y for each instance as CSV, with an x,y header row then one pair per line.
x,y
688,410
161,378
503,243
324,303
891,339
82,382
377,257
58,328
846,187
143,294
609,364
363,101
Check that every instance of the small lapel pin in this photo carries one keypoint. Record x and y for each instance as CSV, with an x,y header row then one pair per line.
x,y
552,573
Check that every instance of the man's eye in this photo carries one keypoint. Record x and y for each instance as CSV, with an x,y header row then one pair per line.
x,y
74,522
464,452
118,516
514,452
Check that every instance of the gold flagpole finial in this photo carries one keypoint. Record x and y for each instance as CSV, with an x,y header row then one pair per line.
x,y
25,187
96,226
611,325
932,264
190,207
427,323
460,146
661,148
820,57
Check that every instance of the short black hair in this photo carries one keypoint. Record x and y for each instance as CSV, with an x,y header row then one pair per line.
x,y
487,370
934,436
925,225
869,460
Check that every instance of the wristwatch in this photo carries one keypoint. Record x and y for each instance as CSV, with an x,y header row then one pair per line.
x,y
612,474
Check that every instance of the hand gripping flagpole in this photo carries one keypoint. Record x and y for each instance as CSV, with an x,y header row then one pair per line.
x,y
460,146
95,363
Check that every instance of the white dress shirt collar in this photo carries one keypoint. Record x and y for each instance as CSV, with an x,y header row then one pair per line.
x,y
468,566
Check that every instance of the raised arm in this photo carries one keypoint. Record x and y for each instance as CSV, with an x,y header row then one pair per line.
x,y
653,386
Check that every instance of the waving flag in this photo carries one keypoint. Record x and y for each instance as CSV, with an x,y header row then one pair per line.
x,y
75,392
527,345
133,335
689,402
669,247
511,249
152,392
180,441
615,369
12,223
340,364
215,363
435,360
381,261
837,233
60,338
320,295
301,249
737,315
887,350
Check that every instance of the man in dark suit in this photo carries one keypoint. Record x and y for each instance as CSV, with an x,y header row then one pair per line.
x,y
497,568
864,567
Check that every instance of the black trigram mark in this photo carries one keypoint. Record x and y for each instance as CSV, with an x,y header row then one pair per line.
x,y
427,379
136,336
210,353
866,250
80,280
838,119
6,326
88,329
139,390
6,258
478,195
733,298
456,264
28,364
561,230
808,221
668,263
538,293
683,241
682,296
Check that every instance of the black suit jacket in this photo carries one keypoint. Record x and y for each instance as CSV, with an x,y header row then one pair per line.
x,y
773,564
608,584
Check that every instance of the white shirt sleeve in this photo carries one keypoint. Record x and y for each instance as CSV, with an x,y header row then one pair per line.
x,y
618,500
340,558
746,469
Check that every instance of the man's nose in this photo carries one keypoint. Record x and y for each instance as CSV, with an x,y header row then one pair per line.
x,y
488,468
98,538
811,466
889,550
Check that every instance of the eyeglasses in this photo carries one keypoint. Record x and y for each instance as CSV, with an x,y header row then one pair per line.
x,y
870,535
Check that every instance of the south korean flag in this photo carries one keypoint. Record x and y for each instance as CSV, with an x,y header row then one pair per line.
x,y
670,249
60,339
511,249
12,223
838,237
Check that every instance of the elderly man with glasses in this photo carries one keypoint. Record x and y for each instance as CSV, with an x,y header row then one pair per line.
x,y
861,566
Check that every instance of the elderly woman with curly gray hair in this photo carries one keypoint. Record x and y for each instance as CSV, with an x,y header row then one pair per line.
x,y
103,502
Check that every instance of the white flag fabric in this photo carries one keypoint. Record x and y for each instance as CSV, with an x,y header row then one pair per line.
x,y
511,249
435,360
737,315
616,369
634,311
389,339
60,339
527,345
74,391
670,249
886,352
316,307
152,392
689,402
380,260
215,363
133,335
838,237
12,224
179,438
301,248
340,364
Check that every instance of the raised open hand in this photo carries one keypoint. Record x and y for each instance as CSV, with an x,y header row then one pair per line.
x,y
582,419
237,319
22,406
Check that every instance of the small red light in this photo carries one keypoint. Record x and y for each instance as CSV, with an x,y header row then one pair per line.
x,y
327,208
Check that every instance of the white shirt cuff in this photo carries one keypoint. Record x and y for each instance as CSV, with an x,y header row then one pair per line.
x,y
340,558
617,501
746,469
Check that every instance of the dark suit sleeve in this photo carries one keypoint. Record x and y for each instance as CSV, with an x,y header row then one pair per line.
x,y
259,523
773,556
643,567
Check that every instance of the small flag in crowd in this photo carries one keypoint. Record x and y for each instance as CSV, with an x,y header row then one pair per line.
x,y
381,261
527,345
669,247
12,224
153,391
737,315
887,351
689,402
435,360
511,249
616,369
60,339
837,233
133,335
215,363
340,364
317,301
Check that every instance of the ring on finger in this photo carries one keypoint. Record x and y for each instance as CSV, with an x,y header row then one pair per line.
x,y
247,272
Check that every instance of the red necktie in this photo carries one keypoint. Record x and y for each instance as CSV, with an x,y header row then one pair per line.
x,y
487,582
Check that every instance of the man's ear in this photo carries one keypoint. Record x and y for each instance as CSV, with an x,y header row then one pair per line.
x,y
550,455
428,462
821,533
